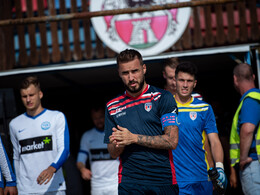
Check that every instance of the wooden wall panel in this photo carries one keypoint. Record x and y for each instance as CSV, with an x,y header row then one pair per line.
x,y
220,34
77,53
34,55
176,46
209,38
186,39
242,21
253,19
23,58
44,51
232,34
7,59
100,53
197,37
110,53
87,36
210,26
66,52
56,54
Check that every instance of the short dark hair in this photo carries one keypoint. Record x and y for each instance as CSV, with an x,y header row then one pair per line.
x,y
171,62
30,80
243,71
128,55
187,67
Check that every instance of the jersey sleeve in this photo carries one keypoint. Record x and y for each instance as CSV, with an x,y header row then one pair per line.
x,y
168,110
109,124
168,103
6,168
84,149
14,141
250,111
210,125
62,141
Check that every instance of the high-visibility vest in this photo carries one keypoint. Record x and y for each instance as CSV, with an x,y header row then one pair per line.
x,y
234,137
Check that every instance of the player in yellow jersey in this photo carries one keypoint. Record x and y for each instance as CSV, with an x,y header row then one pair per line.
x,y
195,116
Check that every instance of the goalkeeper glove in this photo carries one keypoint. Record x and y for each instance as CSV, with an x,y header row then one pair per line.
x,y
218,178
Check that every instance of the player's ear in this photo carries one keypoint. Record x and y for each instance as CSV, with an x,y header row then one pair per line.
x,y
40,94
164,74
235,79
195,83
144,68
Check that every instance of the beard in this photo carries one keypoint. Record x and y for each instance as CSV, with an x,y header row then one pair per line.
x,y
134,89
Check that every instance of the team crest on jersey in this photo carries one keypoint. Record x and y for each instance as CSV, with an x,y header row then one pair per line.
x,y
45,125
149,32
193,115
148,106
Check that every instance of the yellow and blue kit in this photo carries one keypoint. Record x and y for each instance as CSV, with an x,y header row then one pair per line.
x,y
190,160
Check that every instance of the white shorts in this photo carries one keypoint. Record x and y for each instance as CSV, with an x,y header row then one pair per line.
x,y
60,192
110,190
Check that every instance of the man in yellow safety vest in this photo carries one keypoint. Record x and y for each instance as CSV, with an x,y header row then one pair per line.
x,y
245,132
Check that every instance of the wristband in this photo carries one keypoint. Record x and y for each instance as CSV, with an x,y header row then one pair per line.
x,y
219,165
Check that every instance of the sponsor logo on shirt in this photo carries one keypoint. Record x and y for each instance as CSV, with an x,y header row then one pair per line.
x,y
45,125
20,130
120,114
193,115
100,154
120,109
36,144
148,106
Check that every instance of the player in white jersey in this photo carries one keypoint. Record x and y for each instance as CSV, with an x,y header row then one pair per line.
x,y
40,139
6,170
103,171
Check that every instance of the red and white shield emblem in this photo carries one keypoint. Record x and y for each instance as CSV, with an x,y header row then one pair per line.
x,y
148,106
193,115
149,32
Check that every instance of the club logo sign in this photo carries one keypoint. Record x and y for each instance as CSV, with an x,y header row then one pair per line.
x,y
149,32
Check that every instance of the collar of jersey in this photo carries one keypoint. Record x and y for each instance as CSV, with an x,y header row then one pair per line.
x,y
99,130
185,104
247,92
145,90
34,117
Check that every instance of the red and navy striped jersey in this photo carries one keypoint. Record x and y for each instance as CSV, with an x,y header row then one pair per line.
x,y
143,115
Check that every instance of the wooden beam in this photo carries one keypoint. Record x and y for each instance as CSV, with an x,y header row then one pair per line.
x,y
81,15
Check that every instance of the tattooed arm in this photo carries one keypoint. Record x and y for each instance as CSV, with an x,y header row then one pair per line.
x,y
122,136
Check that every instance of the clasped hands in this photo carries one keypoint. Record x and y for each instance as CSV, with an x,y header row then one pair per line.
x,y
122,136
